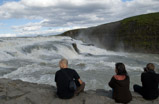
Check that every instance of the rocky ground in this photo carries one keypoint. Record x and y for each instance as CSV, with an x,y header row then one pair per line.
x,y
19,92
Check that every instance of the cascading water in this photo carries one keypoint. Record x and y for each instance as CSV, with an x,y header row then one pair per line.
x,y
36,60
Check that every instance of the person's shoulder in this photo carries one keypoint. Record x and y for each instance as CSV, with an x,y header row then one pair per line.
x,y
73,71
127,77
70,69
113,77
121,77
143,73
57,72
157,75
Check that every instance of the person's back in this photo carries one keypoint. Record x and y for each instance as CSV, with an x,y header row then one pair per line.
x,y
63,78
120,85
121,92
63,82
150,81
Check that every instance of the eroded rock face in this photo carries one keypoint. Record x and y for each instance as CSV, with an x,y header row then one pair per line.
x,y
134,34
19,92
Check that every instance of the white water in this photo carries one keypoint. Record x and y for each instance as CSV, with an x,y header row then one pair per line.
x,y
36,60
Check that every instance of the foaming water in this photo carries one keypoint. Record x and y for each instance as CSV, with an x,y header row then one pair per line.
x,y
36,60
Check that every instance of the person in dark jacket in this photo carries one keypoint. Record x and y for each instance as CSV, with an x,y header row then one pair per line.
x,y
62,79
150,82
120,84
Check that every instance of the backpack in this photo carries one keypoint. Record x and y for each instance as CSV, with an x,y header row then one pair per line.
x,y
72,85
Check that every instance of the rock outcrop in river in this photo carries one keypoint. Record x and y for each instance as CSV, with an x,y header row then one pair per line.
x,y
19,92
135,34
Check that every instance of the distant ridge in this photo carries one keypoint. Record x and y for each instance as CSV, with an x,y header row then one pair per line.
x,y
134,34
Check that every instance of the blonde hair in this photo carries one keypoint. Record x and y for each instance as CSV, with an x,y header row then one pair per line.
x,y
63,63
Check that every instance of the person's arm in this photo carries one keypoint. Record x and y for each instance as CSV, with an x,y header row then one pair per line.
x,y
77,77
111,83
142,76
56,78
80,81
158,78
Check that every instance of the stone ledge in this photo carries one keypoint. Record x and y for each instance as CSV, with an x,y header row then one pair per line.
x,y
19,92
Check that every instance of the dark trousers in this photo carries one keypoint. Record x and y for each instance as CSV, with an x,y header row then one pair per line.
x,y
80,89
138,89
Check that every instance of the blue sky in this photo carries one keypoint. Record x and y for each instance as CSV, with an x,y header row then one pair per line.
x,y
8,23
50,17
4,1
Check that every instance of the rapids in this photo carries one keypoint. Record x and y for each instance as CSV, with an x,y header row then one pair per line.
x,y
35,59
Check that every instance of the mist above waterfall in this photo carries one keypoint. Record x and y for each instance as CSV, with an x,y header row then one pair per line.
x,y
36,60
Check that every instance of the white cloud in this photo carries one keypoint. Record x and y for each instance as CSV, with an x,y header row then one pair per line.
x,y
39,3
53,31
72,13
34,29
8,35
28,27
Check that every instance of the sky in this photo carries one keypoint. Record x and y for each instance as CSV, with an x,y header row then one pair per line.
x,y
50,17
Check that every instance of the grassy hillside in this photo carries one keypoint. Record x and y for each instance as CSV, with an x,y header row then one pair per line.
x,y
138,33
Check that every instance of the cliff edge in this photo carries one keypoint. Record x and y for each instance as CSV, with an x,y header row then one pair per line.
x,y
134,34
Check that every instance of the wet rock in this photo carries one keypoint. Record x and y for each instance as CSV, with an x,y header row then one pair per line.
x,y
75,47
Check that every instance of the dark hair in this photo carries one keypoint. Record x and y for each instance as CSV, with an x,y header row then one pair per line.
x,y
120,67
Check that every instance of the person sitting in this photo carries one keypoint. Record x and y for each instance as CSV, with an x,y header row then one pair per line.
x,y
150,81
62,79
120,84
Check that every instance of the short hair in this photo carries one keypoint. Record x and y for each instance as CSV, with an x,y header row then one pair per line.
x,y
63,61
121,70
150,66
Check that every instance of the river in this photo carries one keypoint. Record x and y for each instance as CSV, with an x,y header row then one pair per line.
x,y
35,59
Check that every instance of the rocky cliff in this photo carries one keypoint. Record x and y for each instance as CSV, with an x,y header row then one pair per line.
x,y
135,34
19,92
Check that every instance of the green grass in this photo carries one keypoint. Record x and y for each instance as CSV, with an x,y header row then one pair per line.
x,y
141,32
143,19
